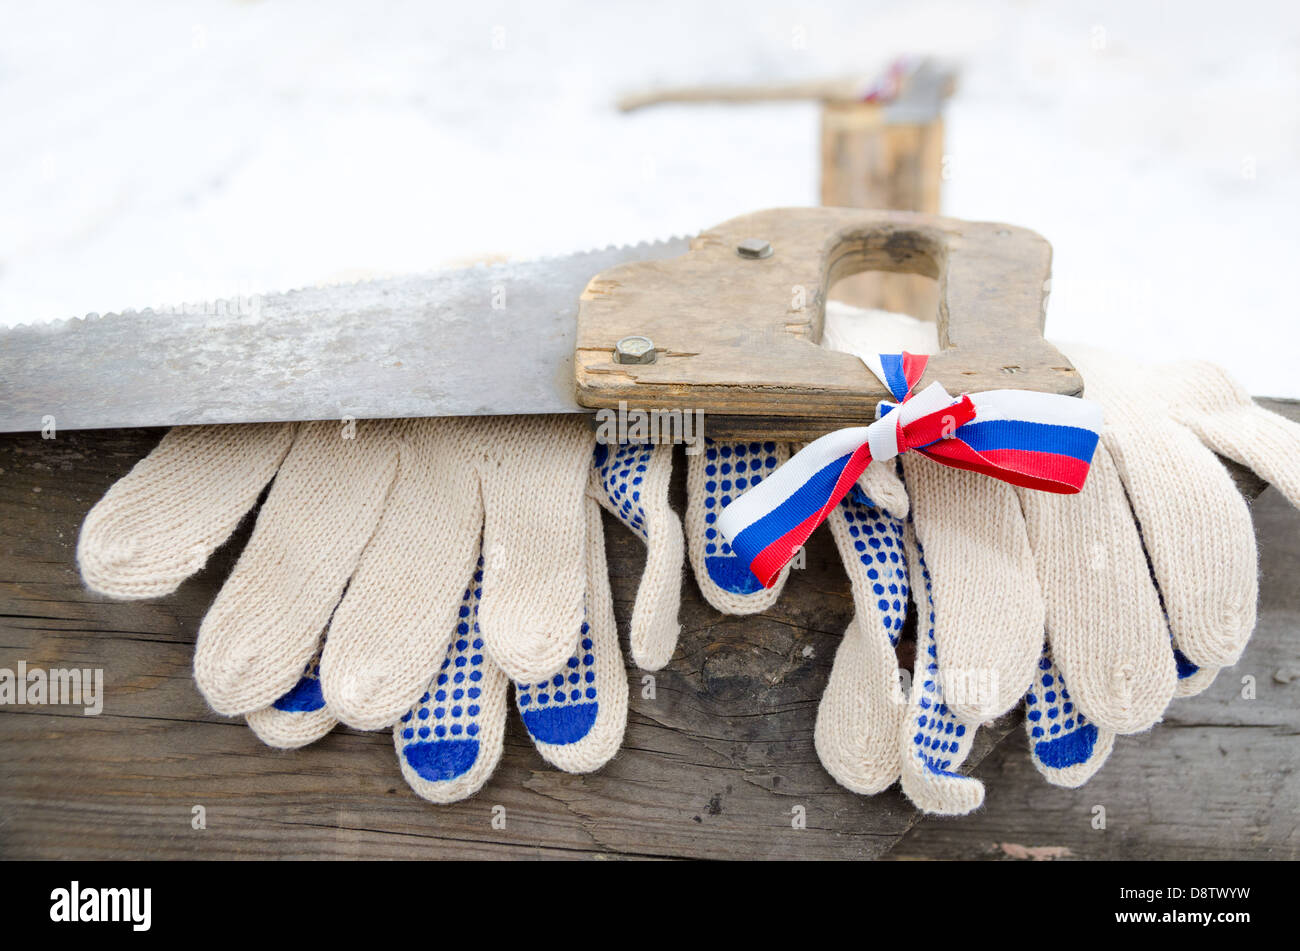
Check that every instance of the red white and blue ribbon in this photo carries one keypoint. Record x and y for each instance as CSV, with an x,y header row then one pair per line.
x,y
1034,440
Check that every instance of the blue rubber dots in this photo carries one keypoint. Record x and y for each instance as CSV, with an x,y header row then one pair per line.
x,y
730,469
440,733
563,709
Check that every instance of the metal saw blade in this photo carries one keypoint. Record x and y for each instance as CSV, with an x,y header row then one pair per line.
x,y
484,340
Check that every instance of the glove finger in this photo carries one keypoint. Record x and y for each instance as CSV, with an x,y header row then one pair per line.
x,y
265,623
577,716
934,742
1063,744
391,629
297,718
861,713
534,483
724,471
158,524
1194,524
451,739
883,488
863,707
988,606
1197,532
631,482
1104,620
870,544
1205,399
1192,679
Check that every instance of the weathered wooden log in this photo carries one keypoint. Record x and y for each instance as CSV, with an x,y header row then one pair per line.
x,y
718,763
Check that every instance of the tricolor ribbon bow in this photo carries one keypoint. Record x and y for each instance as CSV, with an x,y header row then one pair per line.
x,y
1035,440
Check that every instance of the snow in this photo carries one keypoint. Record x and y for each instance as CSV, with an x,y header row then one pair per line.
x,y
153,153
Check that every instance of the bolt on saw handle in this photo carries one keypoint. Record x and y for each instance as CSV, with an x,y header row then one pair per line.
x,y
735,325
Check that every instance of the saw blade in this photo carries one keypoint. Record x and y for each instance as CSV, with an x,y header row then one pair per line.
x,y
485,340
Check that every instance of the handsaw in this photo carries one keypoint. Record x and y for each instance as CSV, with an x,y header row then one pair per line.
x,y
478,340
727,322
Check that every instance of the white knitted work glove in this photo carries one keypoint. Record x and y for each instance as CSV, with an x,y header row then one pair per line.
x,y
449,742
1159,543
869,732
376,537
1077,568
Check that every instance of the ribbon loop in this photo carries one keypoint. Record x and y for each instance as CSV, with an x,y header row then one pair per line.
x,y
900,428
1034,440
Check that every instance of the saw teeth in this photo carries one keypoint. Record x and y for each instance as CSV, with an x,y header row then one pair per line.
x,y
211,306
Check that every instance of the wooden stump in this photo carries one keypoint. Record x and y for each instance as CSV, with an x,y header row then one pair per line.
x,y
871,158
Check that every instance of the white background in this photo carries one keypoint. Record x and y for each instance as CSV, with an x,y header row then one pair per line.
x,y
153,153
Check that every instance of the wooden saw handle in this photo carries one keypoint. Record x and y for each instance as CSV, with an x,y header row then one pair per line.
x,y
738,336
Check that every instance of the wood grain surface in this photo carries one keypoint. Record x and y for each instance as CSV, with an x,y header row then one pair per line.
x,y
712,767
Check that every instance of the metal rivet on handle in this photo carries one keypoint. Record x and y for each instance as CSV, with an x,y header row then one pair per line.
x,y
755,248
634,350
